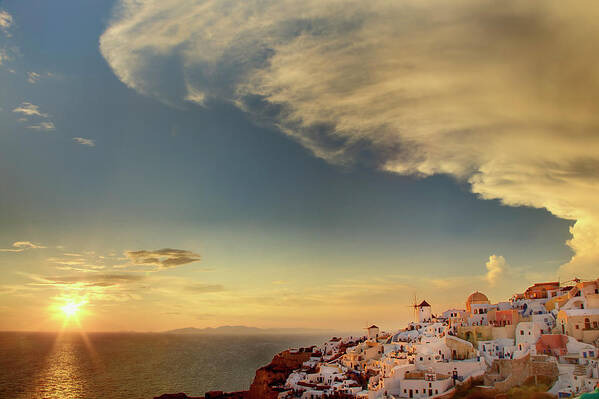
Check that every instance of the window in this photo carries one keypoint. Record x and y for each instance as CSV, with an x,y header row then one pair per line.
x,y
521,332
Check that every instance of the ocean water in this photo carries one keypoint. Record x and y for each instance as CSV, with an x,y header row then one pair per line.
x,y
132,365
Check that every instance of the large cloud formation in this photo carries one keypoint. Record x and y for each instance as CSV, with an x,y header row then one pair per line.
x,y
501,95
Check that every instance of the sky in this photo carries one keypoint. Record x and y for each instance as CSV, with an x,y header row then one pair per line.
x,y
285,163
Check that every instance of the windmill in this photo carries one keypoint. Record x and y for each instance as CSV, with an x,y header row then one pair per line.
x,y
414,307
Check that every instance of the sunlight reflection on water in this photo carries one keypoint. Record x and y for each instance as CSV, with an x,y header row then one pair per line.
x,y
61,377
128,365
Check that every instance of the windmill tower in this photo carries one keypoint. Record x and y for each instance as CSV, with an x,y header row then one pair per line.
x,y
424,312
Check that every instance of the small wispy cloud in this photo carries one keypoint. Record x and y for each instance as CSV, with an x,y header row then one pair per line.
x,y
6,21
20,246
4,56
165,258
70,261
77,262
84,269
29,109
33,77
84,141
86,280
42,126
200,288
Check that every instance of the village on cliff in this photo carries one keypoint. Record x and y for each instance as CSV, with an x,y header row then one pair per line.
x,y
549,333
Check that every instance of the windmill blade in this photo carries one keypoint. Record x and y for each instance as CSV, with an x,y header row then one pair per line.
x,y
415,305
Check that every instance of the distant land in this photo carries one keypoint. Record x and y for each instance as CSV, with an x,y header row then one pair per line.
x,y
245,330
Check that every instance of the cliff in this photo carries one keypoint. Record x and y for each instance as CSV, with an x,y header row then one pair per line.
x,y
269,377
266,380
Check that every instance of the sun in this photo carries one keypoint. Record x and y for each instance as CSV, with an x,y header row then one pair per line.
x,y
72,308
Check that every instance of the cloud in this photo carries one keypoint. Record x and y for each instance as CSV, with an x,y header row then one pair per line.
x,y
20,246
81,281
496,269
494,95
6,21
42,126
200,288
4,56
29,109
84,141
83,268
33,77
27,244
165,258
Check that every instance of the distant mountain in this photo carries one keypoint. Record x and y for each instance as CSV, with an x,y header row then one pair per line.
x,y
244,330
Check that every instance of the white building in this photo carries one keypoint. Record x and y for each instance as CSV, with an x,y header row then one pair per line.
x,y
424,312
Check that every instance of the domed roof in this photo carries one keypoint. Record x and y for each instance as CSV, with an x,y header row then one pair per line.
x,y
477,297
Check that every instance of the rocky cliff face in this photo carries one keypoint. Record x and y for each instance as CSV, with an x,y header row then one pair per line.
x,y
269,377
266,381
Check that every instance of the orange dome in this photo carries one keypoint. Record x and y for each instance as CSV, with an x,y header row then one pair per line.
x,y
476,298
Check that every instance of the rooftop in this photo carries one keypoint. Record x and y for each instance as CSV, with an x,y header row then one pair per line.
x,y
581,312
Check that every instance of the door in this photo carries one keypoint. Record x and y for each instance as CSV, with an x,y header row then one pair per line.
x,y
411,394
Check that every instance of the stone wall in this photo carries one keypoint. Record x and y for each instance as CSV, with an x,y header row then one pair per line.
x,y
474,334
463,349
503,332
543,365
505,374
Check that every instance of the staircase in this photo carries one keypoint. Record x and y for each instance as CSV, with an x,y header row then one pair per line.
x,y
580,370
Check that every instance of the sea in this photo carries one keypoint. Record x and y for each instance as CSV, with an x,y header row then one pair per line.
x,y
133,365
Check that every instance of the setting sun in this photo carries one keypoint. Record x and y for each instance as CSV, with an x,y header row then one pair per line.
x,y
72,308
